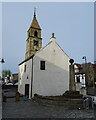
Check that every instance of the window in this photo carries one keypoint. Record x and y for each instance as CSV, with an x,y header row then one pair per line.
x,y
36,50
42,65
35,34
78,78
25,68
35,42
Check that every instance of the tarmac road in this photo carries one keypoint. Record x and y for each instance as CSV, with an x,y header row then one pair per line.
x,y
31,109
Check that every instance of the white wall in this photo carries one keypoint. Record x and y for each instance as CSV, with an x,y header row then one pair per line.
x,y
54,80
23,76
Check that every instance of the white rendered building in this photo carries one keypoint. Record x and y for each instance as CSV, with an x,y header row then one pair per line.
x,y
45,71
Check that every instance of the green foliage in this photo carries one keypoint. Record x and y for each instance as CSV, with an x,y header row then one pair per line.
x,y
5,73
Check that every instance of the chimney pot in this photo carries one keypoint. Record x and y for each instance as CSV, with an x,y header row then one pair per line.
x,y
52,35
52,38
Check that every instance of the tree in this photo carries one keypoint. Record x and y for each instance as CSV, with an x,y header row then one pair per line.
x,y
6,73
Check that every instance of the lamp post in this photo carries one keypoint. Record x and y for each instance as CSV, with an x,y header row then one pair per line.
x,y
2,61
86,82
72,86
84,57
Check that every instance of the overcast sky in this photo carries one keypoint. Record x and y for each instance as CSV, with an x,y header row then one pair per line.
x,y
72,23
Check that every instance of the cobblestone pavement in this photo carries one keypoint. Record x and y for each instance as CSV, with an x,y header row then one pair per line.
x,y
31,109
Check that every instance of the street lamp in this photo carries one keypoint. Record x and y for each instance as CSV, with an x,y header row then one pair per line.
x,y
84,57
86,82
2,61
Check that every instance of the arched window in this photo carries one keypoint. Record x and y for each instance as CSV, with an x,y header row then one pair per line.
x,y
35,34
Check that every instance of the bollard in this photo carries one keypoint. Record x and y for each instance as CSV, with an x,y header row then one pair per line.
x,y
95,110
25,98
17,96
84,104
87,103
92,104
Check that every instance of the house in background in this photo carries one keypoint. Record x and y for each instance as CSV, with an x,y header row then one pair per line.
x,y
80,78
80,74
85,77
45,71
14,78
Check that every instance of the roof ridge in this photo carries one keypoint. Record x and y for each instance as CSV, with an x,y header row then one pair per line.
x,y
61,48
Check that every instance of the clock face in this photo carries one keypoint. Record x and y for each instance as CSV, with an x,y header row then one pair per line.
x,y
36,42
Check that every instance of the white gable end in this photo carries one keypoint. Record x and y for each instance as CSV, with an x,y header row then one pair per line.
x,y
54,54
54,80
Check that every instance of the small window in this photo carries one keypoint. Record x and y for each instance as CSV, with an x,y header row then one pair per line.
x,y
25,68
42,65
35,42
35,34
78,78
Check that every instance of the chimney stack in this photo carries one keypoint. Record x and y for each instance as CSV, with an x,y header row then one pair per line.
x,y
52,38
52,35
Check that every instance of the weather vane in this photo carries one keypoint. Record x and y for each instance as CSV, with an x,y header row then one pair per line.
x,y
34,11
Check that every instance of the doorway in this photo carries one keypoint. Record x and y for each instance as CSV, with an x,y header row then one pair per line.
x,y
27,90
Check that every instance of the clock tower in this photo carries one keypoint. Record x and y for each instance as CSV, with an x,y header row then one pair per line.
x,y
34,40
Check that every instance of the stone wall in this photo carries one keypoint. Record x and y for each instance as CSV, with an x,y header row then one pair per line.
x,y
60,101
90,75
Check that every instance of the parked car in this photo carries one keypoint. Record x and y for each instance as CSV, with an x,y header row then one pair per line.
x,y
0,82
9,83
16,83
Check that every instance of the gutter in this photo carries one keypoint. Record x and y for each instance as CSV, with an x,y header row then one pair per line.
x,y
32,77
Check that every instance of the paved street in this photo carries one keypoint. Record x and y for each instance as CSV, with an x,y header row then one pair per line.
x,y
30,109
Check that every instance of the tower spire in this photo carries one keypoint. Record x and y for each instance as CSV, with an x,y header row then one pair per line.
x,y
34,40
34,11
34,23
